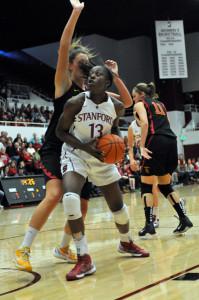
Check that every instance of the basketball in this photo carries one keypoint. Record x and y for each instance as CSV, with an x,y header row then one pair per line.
x,y
113,147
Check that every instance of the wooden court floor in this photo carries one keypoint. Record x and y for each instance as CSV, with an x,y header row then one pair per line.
x,y
117,276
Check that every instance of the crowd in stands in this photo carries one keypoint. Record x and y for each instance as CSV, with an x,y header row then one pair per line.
x,y
19,115
187,172
25,114
19,157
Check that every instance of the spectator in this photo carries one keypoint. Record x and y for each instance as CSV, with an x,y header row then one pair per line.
x,y
17,137
37,145
27,159
181,159
13,168
37,163
38,120
6,171
31,151
4,156
1,142
21,172
25,140
190,170
129,177
174,178
196,169
182,172
47,112
33,139
13,151
35,111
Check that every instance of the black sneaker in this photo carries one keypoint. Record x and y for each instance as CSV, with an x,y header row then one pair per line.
x,y
183,226
148,229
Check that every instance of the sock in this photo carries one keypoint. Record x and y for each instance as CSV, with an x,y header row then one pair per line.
x,y
125,237
29,237
156,211
180,209
81,245
148,214
65,241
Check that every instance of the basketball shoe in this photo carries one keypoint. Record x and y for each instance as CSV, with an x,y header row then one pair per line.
x,y
148,229
183,226
83,267
132,248
155,221
66,254
21,259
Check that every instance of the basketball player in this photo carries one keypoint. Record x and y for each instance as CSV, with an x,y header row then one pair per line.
x,y
158,147
69,81
134,134
86,117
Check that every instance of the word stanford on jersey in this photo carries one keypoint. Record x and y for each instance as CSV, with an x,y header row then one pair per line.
x,y
94,116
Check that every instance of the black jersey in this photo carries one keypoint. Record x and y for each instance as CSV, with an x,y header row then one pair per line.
x,y
50,136
157,118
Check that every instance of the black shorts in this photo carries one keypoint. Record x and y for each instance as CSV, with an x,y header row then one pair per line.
x,y
50,159
164,157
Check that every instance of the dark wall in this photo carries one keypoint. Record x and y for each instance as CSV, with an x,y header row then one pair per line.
x,y
19,66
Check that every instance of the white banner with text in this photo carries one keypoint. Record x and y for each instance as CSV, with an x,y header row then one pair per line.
x,y
171,49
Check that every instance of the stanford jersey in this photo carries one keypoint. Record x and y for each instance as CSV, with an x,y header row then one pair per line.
x,y
94,120
157,118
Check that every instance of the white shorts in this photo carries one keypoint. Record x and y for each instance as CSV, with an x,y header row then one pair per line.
x,y
79,161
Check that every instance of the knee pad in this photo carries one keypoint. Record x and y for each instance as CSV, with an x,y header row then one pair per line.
x,y
71,203
121,216
165,189
146,188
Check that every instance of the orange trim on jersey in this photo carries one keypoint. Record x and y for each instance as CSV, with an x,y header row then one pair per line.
x,y
49,174
150,116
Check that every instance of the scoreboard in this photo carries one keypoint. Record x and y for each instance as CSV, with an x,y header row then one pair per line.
x,y
24,189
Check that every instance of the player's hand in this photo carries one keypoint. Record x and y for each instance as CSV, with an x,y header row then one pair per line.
x,y
91,148
134,165
111,64
77,4
145,152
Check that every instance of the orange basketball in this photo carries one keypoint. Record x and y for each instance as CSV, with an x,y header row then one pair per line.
x,y
113,147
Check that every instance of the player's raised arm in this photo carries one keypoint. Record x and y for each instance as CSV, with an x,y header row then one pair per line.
x,y
124,95
62,78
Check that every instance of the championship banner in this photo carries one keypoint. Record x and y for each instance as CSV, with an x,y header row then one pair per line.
x,y
171,49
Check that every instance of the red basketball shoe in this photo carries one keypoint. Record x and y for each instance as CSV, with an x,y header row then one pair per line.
x,y
132,248
83,267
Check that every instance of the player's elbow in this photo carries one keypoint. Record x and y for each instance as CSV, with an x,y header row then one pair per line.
x,y
145,124
128,103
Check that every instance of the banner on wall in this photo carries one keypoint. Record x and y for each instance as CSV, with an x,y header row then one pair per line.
x,y
171,49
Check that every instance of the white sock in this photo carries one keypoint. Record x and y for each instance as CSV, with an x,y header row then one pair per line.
x,y
65,241
81,245
29,237
125,237
156,212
